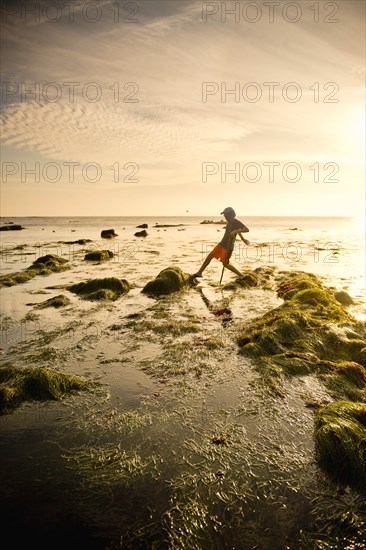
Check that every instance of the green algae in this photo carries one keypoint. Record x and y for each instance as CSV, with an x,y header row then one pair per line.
x,y
186,526
171,279
101,289
340,438
35,384
98,255
44,265
346,531
109,464
345,380
295,281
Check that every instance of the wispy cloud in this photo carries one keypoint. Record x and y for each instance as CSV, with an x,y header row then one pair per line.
x,y
162,61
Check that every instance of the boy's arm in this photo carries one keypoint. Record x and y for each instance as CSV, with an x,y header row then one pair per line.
x,y
245,241
243,229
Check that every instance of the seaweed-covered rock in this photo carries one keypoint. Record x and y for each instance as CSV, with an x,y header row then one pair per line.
x,y
50,262
108,234
310,332
39,384
249,280
142,233
171,279
56,301
101,289
99,256
295,281
340,437
45,265
259,278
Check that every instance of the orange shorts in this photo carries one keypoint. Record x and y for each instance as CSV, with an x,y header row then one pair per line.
x,y
220,253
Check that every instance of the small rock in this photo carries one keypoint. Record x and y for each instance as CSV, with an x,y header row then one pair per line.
x,y
108,234
343,298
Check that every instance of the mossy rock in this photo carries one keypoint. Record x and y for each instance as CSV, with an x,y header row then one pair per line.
x,y
39,384
45,265
57,301
294,281
307,331
249,280
99,256
49,261
340,437
101,289
171,279
259,278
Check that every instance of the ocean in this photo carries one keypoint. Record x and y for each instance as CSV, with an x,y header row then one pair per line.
x,y
124,465
333,248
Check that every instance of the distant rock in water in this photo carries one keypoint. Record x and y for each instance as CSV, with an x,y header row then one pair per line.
x,y
101,289
141,233
343,298
205,222
142,226
108,234
11,227
99,256
171,279
79,241
169,225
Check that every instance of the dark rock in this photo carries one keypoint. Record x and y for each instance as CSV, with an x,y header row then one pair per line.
x,y
171,279
108,234
343,298
99,255
12,227
142,226
141,233
79,241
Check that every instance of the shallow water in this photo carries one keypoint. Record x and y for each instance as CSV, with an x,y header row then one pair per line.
x,y
163,396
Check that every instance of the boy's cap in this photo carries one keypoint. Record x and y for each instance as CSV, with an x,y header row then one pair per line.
x,y
230,212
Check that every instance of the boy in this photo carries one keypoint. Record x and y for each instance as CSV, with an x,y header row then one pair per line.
x,y
224,249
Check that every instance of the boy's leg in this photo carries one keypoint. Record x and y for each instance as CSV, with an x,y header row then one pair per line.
x,y
234,270
203,266
229,266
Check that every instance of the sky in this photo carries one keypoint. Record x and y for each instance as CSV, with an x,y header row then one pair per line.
x,y
174,107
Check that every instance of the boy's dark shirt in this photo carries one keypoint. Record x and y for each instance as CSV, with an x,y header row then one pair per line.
x,y
228,242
